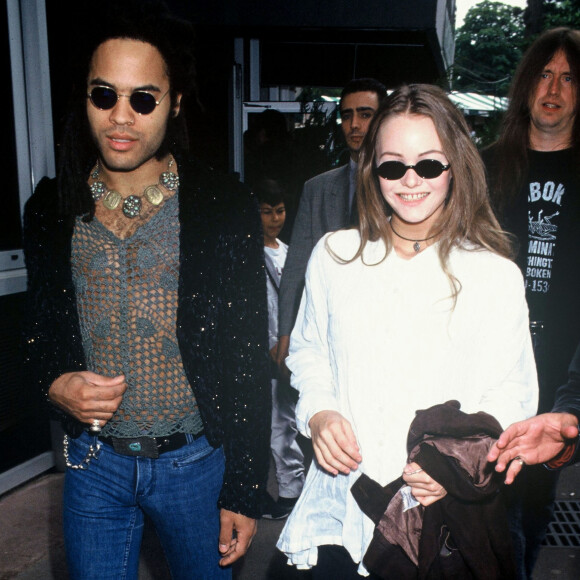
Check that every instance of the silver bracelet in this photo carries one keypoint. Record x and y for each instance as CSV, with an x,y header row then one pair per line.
x,y
92,453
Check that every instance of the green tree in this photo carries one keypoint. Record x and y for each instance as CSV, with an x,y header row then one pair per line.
x,y
488,48
561,13
549,14
491,42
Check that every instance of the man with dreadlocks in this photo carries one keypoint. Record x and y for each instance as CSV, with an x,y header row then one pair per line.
x,y
147,326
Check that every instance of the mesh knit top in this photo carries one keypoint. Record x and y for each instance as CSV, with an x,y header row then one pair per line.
x,y
127,300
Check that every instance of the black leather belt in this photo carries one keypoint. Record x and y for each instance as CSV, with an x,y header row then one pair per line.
x,y
151,447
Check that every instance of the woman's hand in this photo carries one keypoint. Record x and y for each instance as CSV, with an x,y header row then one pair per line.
x,y
423,487
334,442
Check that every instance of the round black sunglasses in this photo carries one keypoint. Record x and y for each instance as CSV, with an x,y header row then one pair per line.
x,y
426,169
142,102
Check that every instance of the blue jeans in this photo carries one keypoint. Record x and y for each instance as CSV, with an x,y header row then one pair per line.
x,y
105,507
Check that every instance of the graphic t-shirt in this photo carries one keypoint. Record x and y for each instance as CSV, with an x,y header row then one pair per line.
x,y
551,191
546,220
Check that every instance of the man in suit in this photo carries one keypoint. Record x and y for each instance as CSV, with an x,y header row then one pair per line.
x,y
326,202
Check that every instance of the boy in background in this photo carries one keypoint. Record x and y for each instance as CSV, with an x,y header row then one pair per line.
x,y
288,457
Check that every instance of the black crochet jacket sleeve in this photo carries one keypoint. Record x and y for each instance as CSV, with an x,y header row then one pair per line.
x,y
223,332
52,339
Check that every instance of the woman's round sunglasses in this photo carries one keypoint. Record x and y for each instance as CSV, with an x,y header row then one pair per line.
x,y
106,98
426,169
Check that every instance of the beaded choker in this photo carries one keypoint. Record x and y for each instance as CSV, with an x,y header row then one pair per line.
x,y
131,206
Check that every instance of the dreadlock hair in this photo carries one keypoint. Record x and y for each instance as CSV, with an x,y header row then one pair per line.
x,y
467,218
147,21
511,149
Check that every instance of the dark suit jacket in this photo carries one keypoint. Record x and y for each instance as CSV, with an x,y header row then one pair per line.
x,y
323,208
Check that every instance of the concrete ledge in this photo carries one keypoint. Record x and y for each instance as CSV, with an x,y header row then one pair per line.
x,y
26,471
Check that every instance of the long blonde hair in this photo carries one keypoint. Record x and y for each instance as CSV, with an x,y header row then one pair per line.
x,y
467,215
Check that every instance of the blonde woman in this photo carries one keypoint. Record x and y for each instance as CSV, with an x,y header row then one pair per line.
x,y
417,305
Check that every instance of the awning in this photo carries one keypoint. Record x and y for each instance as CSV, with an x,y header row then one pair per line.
x,y
478,105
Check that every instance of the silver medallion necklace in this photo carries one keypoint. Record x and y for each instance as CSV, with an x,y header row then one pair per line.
x,y
131,205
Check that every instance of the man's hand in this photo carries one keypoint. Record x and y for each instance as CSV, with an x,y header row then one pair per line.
x,y
423,487
236,534
283,348
535,440
334,442
88,396
274,353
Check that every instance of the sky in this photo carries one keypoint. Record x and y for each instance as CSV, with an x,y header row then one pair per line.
x,y
462,6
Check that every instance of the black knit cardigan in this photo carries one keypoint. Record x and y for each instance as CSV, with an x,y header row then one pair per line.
x,y
222,323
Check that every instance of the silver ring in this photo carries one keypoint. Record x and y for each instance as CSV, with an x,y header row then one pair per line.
x,y
95,427
414,472
521,461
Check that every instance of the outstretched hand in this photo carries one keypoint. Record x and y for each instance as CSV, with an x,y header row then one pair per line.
x,y
334,442
535,440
